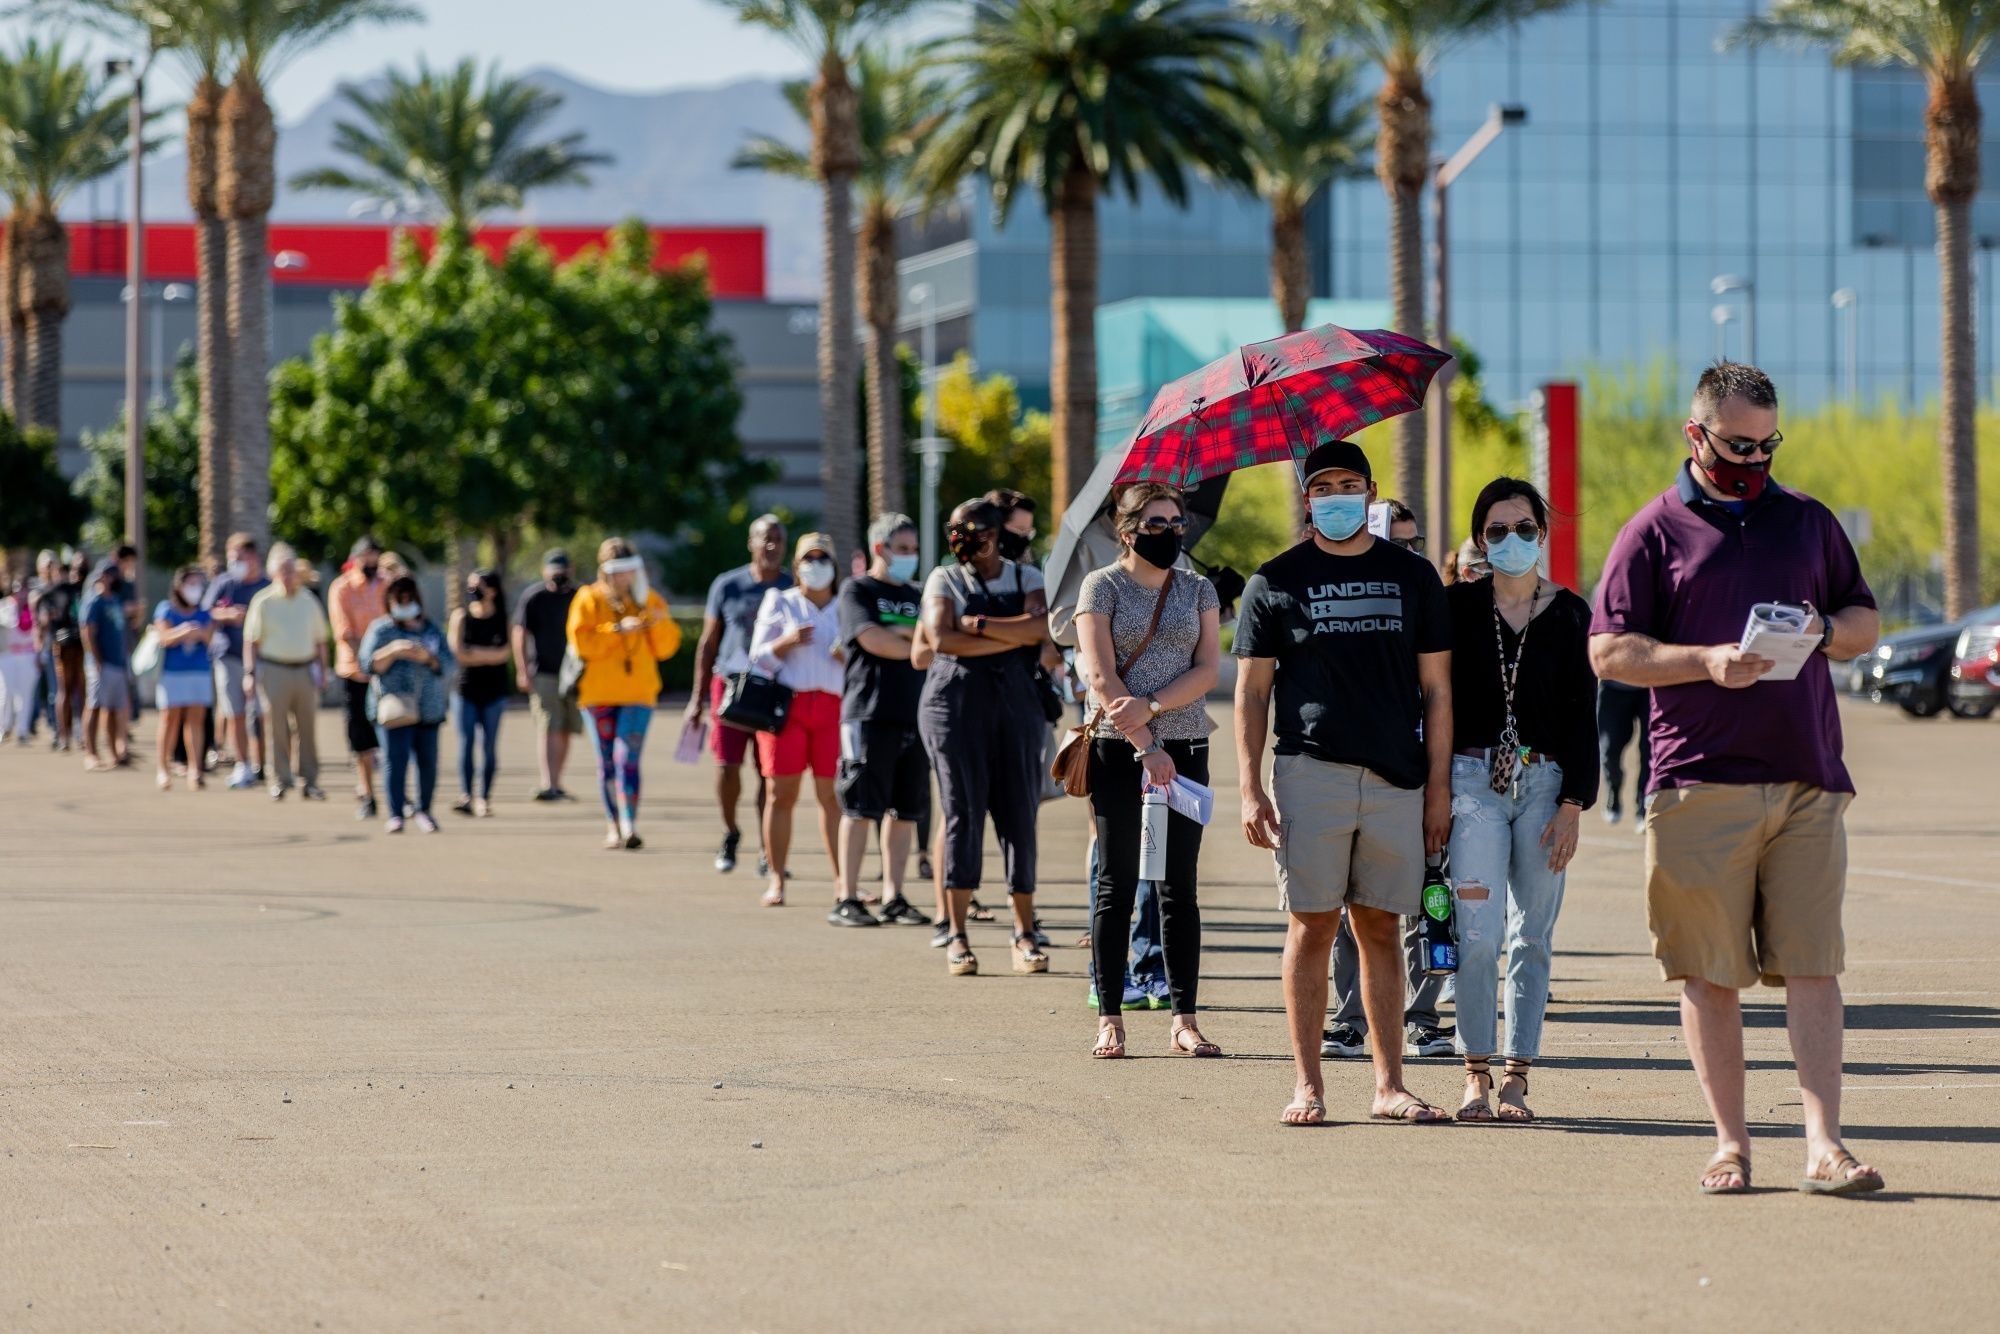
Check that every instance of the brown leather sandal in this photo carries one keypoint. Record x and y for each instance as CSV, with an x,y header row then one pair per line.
x,y
1476,1111
1178,1044
1839,1172
1726,1164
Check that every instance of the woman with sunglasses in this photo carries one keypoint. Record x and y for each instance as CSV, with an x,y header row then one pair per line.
x,y
1524,722
1148,647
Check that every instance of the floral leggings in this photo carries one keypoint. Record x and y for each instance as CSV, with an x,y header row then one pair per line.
x,y
621,739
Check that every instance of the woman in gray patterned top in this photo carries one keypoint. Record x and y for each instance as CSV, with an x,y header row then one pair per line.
x,y
1146,696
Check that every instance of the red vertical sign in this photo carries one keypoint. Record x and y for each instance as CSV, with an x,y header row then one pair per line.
x,y
1562,485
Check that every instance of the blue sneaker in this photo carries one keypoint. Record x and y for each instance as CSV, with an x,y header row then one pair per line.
x,y
1157,995
1135,995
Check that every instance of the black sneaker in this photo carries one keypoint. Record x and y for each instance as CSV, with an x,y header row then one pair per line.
x,y
725,860
924,869
901,912
548,794
1343,1040
763,867
1040,936
1427,1040
851,912
942,936
364,809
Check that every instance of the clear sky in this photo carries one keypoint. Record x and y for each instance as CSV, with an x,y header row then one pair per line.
x,y
629,45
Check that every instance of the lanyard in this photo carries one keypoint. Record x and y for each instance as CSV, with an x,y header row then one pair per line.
x,y
1505,770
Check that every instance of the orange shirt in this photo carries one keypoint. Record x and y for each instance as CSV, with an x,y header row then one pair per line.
x,y
354,604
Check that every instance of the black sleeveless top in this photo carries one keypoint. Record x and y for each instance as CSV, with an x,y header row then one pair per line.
x,y
483,685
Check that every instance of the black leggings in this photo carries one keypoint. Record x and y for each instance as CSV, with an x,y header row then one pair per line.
x,y
1115,775
1620,713
982,728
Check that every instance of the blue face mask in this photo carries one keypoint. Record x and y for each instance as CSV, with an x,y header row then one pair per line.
x,y
1514,554
903,568
1339,517
405,611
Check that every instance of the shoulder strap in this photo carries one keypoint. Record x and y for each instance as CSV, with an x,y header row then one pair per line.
x,y
1159,608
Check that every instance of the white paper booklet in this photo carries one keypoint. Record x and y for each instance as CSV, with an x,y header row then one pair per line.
x,y
1191,799
1777,630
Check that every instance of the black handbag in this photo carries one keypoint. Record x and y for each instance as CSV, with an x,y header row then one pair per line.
x,y
1051,698
754,703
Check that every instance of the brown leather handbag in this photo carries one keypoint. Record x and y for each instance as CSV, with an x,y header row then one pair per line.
x,y
1071,767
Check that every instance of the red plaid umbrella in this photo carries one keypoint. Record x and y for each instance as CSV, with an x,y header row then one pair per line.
x,y
1276,400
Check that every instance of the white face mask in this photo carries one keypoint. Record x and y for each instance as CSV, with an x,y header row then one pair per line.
x,y
191,592
239,569
405,611
816,574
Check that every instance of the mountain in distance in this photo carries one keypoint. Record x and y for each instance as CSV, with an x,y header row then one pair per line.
x,y
670,156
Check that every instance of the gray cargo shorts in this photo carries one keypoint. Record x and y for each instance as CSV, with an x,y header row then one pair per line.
x,y
1347,836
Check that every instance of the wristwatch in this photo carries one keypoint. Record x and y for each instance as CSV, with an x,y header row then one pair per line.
x,y
1152,706
1153,749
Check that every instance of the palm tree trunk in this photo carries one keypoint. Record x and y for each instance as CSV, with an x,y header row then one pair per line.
x,y
1291,288
464,559
211,316
836,156
1402,161
44,300
1952,133
246,153
1073,345
877,283
13,321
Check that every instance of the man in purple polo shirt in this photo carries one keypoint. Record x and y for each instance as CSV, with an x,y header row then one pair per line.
x,y
1746,850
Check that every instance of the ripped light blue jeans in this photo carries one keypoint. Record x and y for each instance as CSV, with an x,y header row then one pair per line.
x,y
1496,846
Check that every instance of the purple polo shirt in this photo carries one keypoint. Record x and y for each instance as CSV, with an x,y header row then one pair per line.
x,y
1687,571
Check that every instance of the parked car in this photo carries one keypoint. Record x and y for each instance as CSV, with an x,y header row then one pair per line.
x,y
1912,668
1974,687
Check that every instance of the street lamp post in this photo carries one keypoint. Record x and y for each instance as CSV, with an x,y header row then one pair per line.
x,y
1722,315
285,261
932,447
135,326
1725,283
1434,509
1848,301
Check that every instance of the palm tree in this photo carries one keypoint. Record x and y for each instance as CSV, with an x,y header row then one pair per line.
x,y
897,105
456,144
59,129
13,327
1405,38
1946,41
830,33
260,37
1072,98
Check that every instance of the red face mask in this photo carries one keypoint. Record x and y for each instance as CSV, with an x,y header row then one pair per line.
x,y
1740,481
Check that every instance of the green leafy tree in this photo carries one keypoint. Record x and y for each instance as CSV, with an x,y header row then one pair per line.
x,y
1947,43
452,144
460,397
60,128
898,103
1070,99
173,476
994,441
41,510
830,33
1404,38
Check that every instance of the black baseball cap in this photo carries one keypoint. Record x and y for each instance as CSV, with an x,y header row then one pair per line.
x,y
1329,455
555,556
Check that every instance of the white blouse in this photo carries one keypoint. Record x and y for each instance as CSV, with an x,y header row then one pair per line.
x,y
814,665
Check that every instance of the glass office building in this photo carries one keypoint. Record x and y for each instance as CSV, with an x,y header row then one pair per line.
x,y
1653,162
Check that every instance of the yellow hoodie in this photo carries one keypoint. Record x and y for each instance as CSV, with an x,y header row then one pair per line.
x,y
619,669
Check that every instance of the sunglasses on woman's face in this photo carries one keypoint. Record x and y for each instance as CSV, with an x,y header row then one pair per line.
x,y
1415,544
1527,530
1161,524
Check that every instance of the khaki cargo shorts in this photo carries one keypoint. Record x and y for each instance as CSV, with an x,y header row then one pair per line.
x,y
554,711
1346,836
1745,881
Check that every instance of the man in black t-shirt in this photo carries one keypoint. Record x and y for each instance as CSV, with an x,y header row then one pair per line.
x,y
1352,638
541,621
884,775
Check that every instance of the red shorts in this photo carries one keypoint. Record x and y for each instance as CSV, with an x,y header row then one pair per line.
x,y
811,739
728,744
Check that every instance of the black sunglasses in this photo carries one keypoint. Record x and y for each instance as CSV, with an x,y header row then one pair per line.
x,y
1743,449
1415,544
1527,530
1159,523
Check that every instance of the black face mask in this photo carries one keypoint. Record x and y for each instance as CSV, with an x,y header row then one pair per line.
x,y
368,571
1160,550
1013,545
558,580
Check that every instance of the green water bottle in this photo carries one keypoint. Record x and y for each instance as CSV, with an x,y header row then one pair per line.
x,y
1437,933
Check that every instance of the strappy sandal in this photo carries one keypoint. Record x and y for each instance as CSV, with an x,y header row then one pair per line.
x,y
1726,1164
1028,956
959,960
1201,1046
978,912
1311,1112
1476,1110
1408,1110
1847,1177
1516,1113
1110,1040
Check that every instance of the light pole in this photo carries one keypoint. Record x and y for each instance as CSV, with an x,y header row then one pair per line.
x,y
1722,315
1432,510
1723,285
1849,301
932,447
135,327
285,261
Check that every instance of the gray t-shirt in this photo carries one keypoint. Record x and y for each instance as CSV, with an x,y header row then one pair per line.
x,y
1113,593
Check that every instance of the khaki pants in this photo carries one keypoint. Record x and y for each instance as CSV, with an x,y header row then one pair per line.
x,y
291,705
